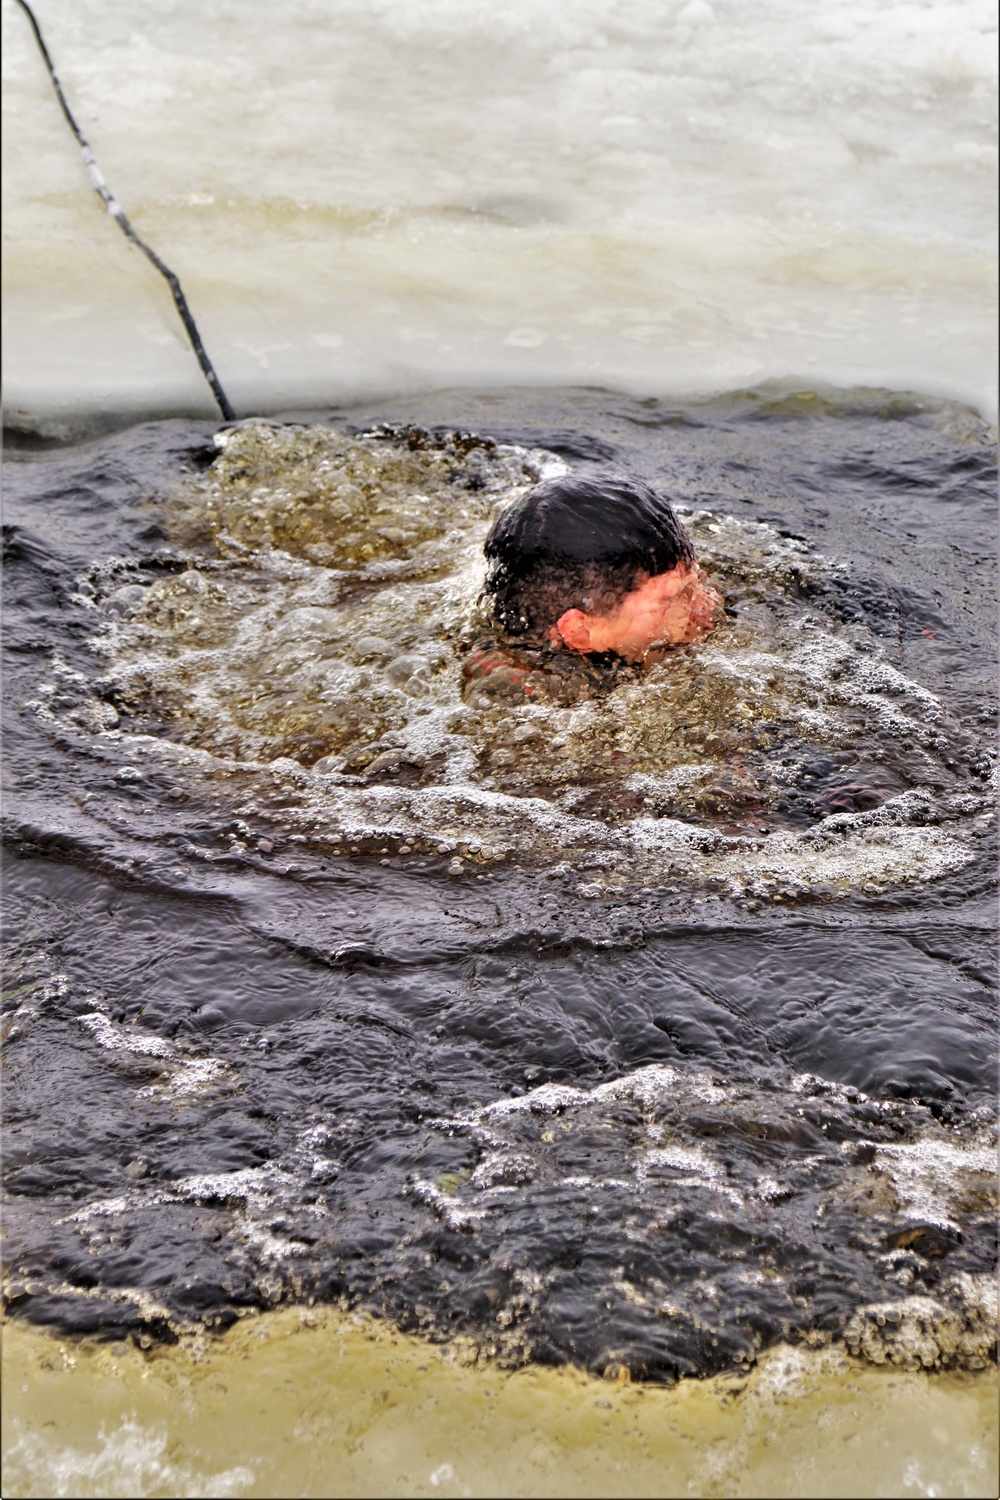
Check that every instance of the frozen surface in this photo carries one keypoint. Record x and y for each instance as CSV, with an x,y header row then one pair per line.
x,y
663,197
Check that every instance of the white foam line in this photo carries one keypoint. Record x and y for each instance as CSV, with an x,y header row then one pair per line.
x,y
124,1039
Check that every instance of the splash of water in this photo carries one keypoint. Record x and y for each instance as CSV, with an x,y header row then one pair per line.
x,y
315,642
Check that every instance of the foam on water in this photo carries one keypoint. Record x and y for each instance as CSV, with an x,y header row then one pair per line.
x,y
318,647
924,1173
688,1135
130,1459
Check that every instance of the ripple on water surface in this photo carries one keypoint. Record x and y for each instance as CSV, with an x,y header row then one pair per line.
x,y
640,1020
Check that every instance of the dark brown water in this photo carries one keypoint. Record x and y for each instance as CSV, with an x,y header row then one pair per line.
x,y
642,1031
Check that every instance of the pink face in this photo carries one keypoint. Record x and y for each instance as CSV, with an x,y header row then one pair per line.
x,y
665,610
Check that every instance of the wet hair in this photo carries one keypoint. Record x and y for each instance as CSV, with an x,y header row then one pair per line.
x,y
577,543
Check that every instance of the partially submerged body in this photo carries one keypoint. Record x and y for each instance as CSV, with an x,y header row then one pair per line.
x,y
495,671
587,577
662,609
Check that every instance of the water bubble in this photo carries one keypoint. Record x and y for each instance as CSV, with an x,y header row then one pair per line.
x,y
327,647
127,599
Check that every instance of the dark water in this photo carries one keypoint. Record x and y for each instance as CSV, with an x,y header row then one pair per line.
x,y
601,1080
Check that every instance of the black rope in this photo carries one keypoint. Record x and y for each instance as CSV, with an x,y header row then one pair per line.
x,y
117,212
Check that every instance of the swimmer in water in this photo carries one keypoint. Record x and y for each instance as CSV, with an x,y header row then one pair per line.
x,y
595,567
598,565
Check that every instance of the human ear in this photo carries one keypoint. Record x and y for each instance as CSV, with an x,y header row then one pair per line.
x,y
574,628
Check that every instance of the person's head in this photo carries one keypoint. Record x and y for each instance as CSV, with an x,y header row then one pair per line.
x,y
595,564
